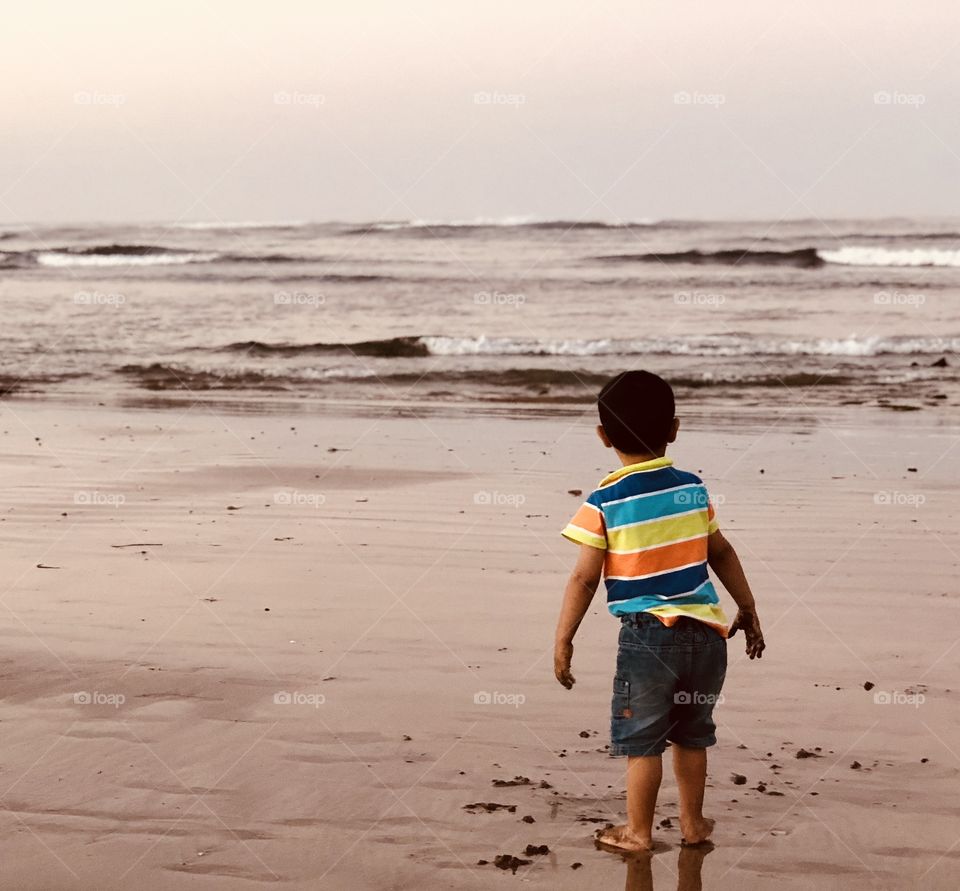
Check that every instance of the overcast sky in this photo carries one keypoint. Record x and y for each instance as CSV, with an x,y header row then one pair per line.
x,y
456,109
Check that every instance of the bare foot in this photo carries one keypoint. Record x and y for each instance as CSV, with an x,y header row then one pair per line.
x,y
696,833
623,839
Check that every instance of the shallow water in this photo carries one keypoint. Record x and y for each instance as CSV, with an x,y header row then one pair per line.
x,y
851,312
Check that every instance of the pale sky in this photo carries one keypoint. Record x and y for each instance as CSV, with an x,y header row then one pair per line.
x,y
362,110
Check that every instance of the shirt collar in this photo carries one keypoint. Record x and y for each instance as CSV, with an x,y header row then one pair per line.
x,y
652,464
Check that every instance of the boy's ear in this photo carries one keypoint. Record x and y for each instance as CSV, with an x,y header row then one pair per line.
x,y
603,436
673,430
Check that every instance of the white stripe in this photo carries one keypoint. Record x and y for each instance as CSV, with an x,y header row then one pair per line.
x,y
678,596
650,494
663,596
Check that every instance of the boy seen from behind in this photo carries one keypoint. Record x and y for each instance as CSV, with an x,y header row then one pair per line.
x,y
651,531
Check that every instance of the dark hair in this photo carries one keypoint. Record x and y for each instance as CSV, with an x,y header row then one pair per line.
x,y
636,411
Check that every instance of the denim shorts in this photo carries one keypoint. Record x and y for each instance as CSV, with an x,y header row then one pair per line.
x,y
667,682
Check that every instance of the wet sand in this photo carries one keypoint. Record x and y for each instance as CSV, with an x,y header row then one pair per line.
x,y
293,650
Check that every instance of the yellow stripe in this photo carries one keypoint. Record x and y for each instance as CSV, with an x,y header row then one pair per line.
x,y
621,472
710,613
582,536
659,532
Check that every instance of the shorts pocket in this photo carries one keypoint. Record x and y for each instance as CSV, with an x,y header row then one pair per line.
x,y
620,706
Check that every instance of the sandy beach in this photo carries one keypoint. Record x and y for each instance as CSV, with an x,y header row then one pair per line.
x,y
293,649
308,311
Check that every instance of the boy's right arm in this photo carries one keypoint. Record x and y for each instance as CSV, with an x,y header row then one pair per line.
x,y
723,560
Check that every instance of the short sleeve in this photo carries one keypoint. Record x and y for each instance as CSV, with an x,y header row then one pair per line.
x,y
712,524
587,526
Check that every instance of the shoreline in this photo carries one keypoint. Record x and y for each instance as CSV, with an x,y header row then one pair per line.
x,y
711,412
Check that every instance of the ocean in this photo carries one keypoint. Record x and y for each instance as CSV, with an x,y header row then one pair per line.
x,y
485,313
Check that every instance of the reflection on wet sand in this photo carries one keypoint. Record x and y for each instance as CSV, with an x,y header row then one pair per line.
x,y
689,866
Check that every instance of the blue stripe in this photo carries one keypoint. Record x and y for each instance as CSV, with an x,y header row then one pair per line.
x,y
656,506
707,594
668,584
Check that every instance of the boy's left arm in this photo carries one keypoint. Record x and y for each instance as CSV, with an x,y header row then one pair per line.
x,y
581,586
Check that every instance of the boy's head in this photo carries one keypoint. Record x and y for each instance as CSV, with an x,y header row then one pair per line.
x,y
637,413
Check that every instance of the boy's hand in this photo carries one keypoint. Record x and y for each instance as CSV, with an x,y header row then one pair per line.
x,y
750,623
562,654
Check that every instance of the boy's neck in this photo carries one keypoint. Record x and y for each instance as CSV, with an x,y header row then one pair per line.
x,y
627,460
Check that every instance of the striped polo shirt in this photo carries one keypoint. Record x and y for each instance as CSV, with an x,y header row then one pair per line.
x,y
653,521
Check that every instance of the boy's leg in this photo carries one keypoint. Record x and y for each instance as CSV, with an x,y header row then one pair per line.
x,y
694,730
690,768
643,697
644,773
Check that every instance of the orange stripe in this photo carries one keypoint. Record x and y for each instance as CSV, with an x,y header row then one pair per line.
x,y
658,559
589,519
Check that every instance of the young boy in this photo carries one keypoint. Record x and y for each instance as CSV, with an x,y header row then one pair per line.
x,y
651,530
